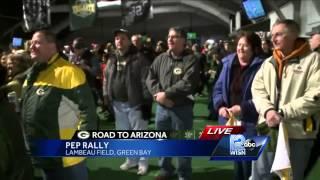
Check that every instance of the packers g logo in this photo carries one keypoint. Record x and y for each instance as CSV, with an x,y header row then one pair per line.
x,y
83,135
177,71
40,92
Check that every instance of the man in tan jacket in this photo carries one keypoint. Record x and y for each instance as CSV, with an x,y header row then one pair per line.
x,y
287,89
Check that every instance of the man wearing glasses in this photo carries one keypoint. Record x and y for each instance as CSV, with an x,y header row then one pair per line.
x,y
173,79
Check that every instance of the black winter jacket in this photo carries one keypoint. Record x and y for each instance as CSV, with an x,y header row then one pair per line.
x,y
178,78
136,72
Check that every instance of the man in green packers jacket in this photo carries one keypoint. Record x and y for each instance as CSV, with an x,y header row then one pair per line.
x,y
56,102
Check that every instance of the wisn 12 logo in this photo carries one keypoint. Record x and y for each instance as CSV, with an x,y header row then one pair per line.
x,y
239,147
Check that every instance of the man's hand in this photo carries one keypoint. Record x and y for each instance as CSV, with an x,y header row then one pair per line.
x,y
161,98
236,110
223,112
273,118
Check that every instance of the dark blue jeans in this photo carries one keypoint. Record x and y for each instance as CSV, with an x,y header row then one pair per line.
x,y
76,172
176,118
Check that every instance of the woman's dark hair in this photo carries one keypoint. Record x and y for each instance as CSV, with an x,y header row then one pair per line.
x,y
253,39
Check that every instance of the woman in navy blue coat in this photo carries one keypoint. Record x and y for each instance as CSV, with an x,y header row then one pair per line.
x,y
232,91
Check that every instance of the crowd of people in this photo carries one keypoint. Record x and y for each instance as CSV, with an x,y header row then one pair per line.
x,y
264,83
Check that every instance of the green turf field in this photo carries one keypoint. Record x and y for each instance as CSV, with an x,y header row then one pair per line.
x,y
108,168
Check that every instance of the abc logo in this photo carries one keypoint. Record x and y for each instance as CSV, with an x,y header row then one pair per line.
x,y
249,144
83,135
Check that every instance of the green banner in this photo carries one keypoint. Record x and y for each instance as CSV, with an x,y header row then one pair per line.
x,y
82,13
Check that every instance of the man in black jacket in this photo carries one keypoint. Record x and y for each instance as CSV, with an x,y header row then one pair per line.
x,y
172,80
124,87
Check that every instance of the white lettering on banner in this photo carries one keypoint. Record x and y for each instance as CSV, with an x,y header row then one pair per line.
x,y
73,145
126,135
148,135
104,135
95,145
90,152
220,131
138,152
